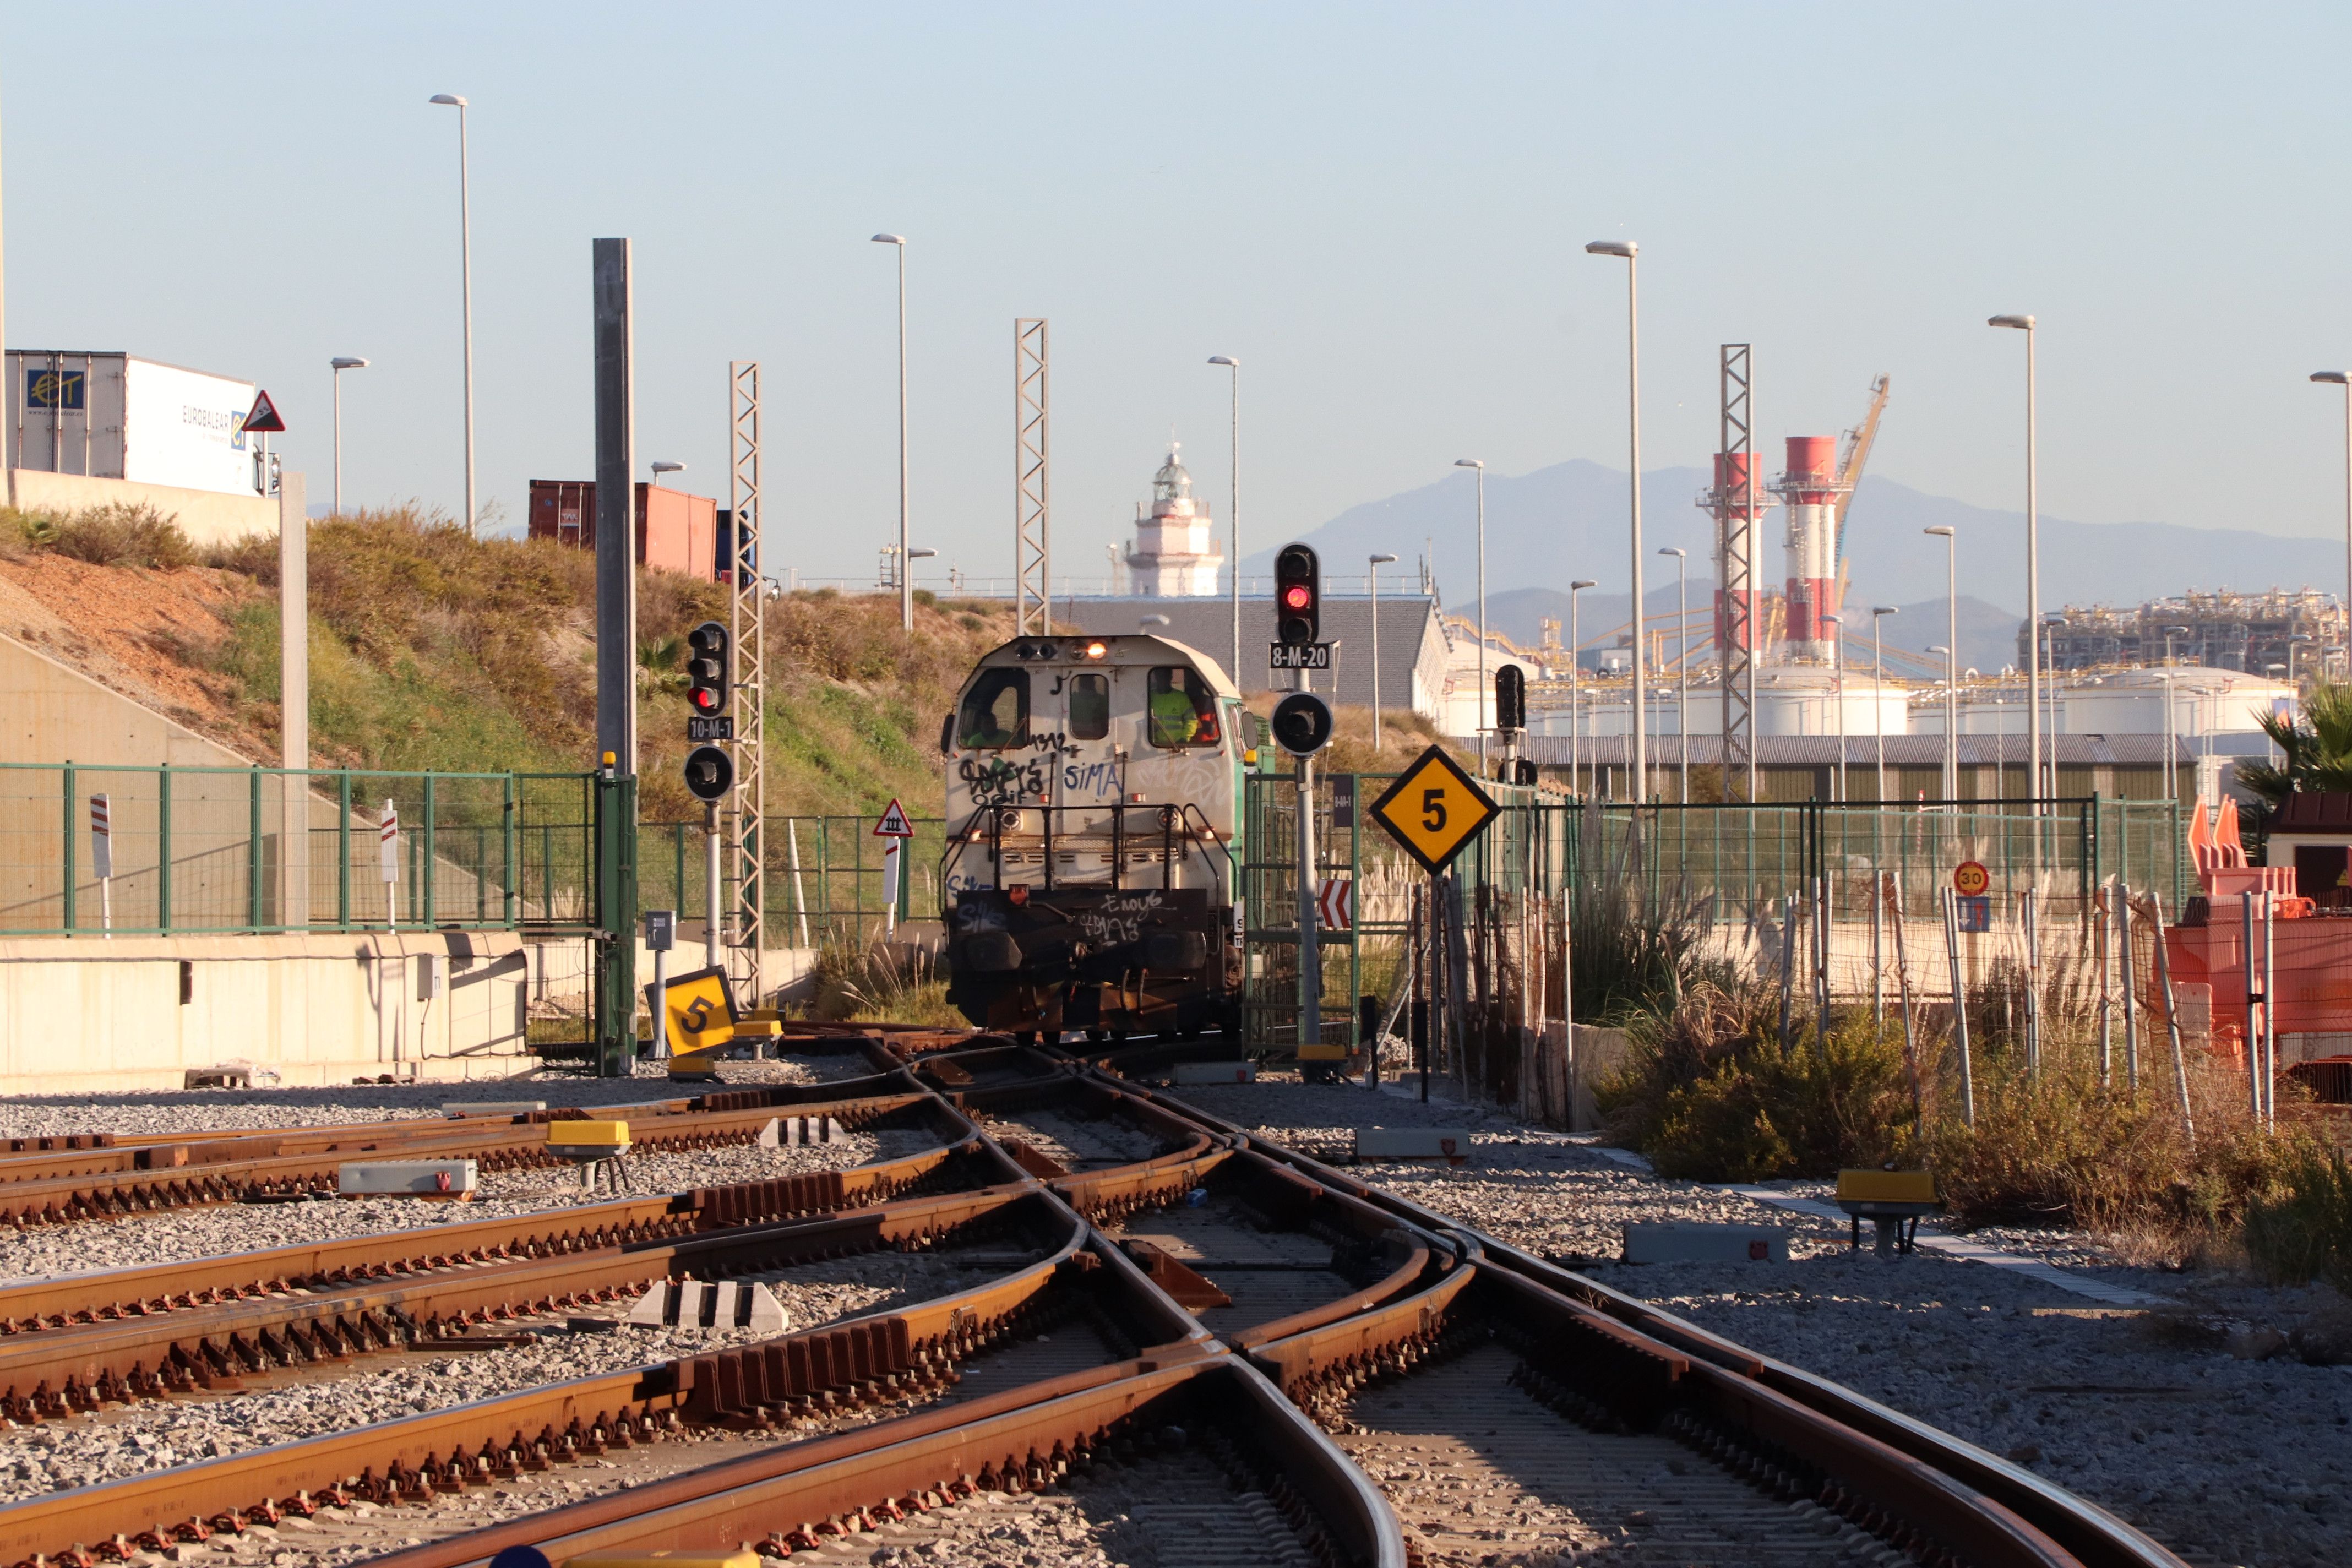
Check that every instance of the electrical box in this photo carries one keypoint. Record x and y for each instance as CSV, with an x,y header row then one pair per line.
x,y
432,977
661,930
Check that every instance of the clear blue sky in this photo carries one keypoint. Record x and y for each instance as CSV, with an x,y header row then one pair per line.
x,y
1379,209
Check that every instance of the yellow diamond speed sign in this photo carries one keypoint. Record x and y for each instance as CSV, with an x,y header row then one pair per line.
x,y
1434,809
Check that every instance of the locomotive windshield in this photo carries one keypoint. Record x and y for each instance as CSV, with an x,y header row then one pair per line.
x,y
1183,709
996,713
1090,706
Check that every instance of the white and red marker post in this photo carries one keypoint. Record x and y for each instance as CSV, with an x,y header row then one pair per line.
x,y
389,835
894,830
101,859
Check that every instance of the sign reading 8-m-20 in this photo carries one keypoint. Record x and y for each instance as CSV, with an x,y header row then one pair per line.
x,y
1434,809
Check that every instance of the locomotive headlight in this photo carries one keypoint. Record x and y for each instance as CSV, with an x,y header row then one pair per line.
x,y
1096,650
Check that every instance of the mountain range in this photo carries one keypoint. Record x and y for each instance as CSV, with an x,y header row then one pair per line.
x,y
1568,521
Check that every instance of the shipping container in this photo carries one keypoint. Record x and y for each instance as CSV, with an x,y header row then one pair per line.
x,y
117,417
676,531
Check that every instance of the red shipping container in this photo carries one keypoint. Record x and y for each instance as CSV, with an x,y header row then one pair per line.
x,y
676,531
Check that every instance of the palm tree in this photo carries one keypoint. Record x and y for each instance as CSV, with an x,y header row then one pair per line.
x,y
2315,747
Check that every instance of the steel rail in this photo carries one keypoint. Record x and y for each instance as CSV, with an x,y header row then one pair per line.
x,y
55,1302
169,1179
2079,1528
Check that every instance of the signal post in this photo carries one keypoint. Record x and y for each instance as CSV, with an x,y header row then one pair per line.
x,y
709,770
1302,726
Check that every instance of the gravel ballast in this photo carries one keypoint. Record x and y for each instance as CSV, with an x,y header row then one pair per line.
x,y
2196,1422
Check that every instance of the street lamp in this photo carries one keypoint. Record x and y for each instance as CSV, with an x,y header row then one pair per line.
x,y
1681,658
1233,507
1479,468
341,364
1374,576
1575,686
2033,556
2050,624
2169,633
907,569
1951,714
1626,250
1951,659
466,277
1878,614
2290,651
2338,378
906,579
666,468
1837,693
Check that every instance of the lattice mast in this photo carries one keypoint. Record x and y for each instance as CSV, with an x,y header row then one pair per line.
x,y
1736,499
1033,556
748,628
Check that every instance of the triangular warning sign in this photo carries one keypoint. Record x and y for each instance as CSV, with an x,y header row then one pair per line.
x,y
262,416
893,823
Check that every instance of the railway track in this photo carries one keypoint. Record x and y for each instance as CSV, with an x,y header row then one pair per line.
x,y
1177,1335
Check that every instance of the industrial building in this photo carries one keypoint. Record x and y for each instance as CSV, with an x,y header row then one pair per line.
x,y
2260,634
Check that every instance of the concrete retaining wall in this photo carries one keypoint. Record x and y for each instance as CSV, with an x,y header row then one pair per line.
x,y
206,516
90,1014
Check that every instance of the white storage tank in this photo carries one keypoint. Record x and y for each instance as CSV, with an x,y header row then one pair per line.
x,y
118,416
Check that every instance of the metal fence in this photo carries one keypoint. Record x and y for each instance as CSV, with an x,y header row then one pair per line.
x,y
823,876
203,849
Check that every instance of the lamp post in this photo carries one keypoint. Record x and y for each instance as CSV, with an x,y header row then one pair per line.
x,y
1479,467
1627,250
1233,505
1837,694
2338,378
341,364
1575,686
2172,746
905,578
1374,578
465,286
2169,633
666,468
907,568
2292,650
1878,614
2050,624
1951,659
1682,658
2033,556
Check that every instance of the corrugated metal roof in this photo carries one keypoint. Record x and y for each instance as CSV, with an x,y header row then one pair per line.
x,y
2314,811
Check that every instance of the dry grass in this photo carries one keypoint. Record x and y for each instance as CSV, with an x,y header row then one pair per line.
x,y
883,985
116,535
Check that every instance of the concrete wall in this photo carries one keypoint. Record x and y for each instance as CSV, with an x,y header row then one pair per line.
x,y
206,517
93,1015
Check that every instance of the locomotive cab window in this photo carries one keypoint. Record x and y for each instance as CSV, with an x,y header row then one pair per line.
x,y
995,711
1090,706
1183,709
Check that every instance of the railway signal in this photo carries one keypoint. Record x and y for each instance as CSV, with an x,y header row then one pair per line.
x,y
1510,699
709,773
1298,612
706,677
1302,723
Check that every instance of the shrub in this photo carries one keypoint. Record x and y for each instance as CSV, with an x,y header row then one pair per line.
x,y
2301,1228
118,536
1711,1094
882,985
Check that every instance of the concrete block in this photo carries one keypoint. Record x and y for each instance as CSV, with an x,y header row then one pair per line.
x,y
454,1108
1216,1072
408,1178
693,1303
802,1132
1414,1143
1689,1241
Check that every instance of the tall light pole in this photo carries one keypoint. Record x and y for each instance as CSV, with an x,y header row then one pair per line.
x,y
2338,378
466,276
1951,659
1837,692
905,578
1575,687
1681,658
1878,614
1374,576
1627,250
2032,558
1234,505
1478,467
341,364
2050,624
665,467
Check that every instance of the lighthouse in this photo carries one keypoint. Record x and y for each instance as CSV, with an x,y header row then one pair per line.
x,y
1175,553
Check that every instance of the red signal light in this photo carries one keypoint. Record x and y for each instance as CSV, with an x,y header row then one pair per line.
x,y
1295,596
703,698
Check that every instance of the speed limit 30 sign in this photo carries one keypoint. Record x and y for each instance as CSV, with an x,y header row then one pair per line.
x,y
1969,878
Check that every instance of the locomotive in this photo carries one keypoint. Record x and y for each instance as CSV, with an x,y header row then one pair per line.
x,y
1092,874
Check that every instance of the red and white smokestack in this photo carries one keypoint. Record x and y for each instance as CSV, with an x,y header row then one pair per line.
x,y
1811,487
1728,501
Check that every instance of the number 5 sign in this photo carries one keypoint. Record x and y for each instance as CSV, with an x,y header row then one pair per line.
x,y
1433,810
